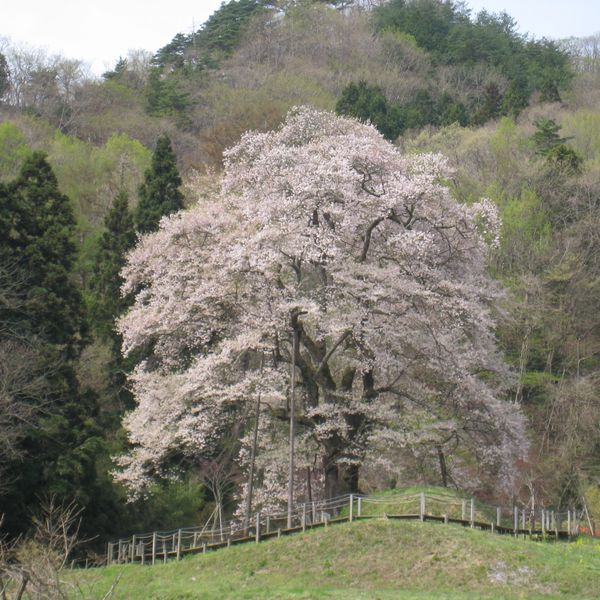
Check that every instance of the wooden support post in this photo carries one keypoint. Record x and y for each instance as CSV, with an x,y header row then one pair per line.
x,y
359,507
351,514
304,516
154,548
268,523
446,519
523,521
492,524
204,547
133,548
195,542
314,512
109,553
472,518
556,524
422,506
543,522
142,551
569,523
463,514
257,527
179,544
120,552
515,521
279,532
228,542
498,516
164,545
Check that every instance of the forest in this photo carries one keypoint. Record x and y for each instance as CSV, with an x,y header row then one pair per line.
x,y
167,277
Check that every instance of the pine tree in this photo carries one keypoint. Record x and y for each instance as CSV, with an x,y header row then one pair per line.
x,y
159,193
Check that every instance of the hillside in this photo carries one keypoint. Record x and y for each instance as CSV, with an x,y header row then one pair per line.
x,y
518,122
368,559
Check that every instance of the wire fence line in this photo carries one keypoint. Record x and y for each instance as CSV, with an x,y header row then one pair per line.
x,y
159,546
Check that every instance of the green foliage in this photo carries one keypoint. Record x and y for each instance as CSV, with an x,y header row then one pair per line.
x,y
215,40
159,193
549,144
118,238
546,136
117,72
367,103
13,150
445,29
164,95
41,242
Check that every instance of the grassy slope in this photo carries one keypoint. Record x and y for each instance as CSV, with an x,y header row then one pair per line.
x,y
369,559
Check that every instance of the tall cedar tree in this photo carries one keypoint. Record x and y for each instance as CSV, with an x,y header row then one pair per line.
x,y
41,243
59,453
107,303
106,281
159,193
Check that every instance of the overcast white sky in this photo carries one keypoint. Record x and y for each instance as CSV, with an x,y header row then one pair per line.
x,y
99,31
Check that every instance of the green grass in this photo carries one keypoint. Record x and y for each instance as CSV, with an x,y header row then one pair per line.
x,y
368,560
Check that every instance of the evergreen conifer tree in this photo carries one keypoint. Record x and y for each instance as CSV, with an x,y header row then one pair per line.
x,y
41,244
107,303
58,454
118,238
159,193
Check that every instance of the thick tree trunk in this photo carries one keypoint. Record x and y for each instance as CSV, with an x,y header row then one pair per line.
x,y
339,479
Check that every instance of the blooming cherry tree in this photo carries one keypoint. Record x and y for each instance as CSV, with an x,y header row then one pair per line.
x,y
324,229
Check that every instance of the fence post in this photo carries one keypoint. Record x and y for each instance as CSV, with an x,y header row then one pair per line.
x,y
498,516
268,523
569,524
164,545
543,522
109,552
523,521
314,512
257,527
304,516
204,547
154,547
472,518
179,544
133,548
359,507
422,506
446,519
142,551
120,552
351,518
463,514
515,521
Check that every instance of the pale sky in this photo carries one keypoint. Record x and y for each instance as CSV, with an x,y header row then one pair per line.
x,y
99,31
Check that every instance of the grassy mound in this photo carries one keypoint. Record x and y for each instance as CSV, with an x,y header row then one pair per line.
x,y
368,559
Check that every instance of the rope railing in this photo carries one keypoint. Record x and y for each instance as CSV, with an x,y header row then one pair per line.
x,y
159,546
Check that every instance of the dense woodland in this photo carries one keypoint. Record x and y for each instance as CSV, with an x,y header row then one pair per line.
x,y
89,164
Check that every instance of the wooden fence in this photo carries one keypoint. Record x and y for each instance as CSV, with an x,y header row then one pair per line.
x,y
159,546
